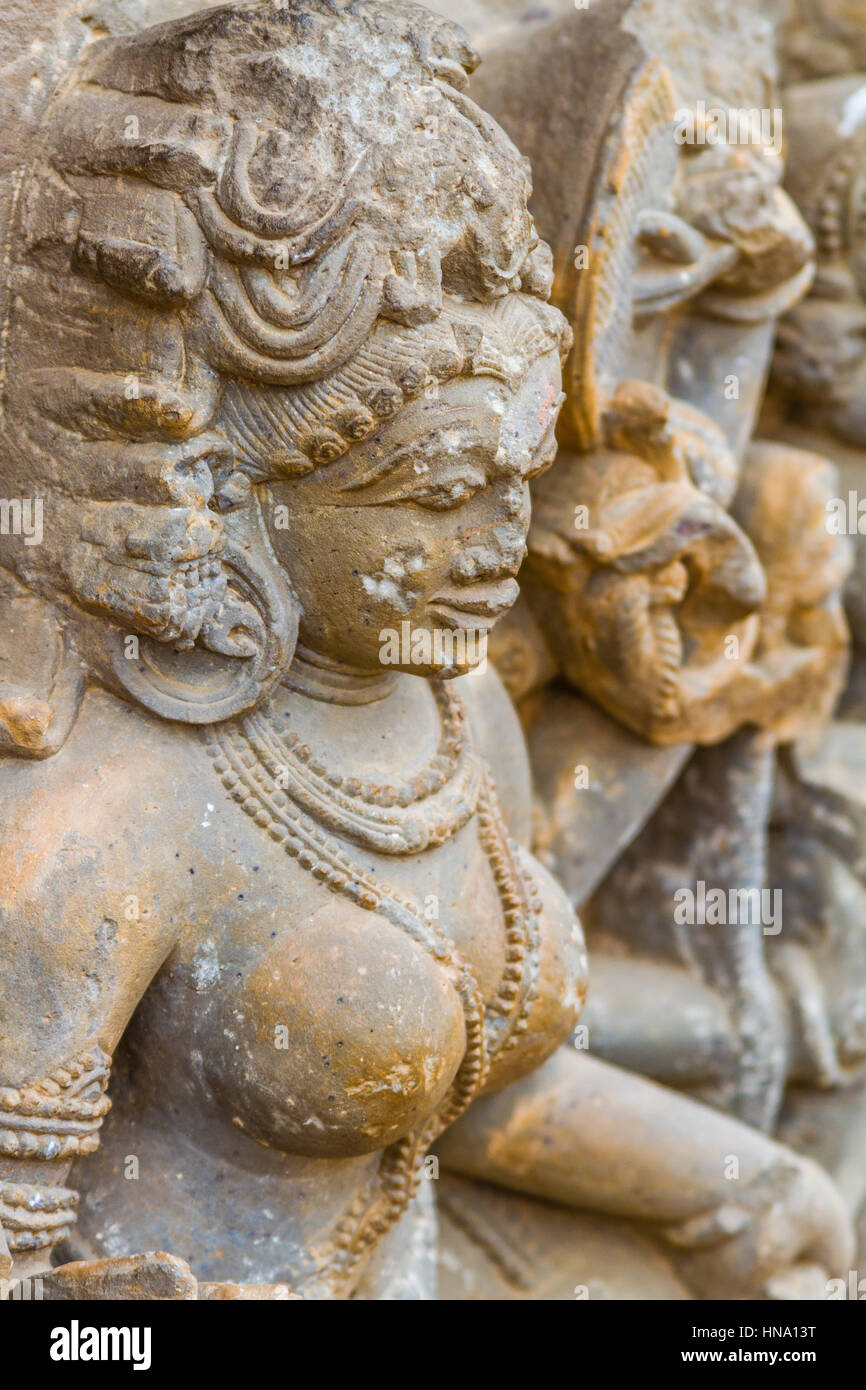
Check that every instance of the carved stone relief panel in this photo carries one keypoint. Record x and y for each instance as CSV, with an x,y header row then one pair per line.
x,y
329,368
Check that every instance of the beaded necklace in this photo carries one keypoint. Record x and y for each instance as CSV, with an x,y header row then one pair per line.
x,y
300,809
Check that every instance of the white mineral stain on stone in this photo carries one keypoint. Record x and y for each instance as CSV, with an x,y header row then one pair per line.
x,y
205,967
113,1241
398,1080
392,583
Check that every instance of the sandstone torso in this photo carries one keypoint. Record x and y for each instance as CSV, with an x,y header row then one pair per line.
x,y
296,1033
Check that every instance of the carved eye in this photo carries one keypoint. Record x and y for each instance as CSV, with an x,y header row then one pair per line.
x,y
481,195
446,495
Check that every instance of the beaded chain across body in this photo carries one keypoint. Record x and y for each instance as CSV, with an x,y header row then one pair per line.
x,y
294,798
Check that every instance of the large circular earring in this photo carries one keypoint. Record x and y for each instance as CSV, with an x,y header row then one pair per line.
x,y
239,655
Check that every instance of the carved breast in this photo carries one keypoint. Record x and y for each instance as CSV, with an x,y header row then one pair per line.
x,y
322,1028
340,1038
319,1026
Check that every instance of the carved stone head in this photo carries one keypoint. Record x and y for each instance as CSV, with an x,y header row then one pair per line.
x,y
645,587
395,490
255,313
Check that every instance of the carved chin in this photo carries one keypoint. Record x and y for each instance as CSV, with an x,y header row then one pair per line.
x,y
442,647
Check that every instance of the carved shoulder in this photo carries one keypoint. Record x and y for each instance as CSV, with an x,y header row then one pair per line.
x,y
87,863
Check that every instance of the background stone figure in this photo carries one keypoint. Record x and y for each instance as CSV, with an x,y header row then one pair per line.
x,y
716,823
815,400
667,578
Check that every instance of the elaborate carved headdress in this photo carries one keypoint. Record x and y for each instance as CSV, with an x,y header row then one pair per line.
x,y
213,200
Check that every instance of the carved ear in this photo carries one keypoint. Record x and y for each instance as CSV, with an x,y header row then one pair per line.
x,y
241,653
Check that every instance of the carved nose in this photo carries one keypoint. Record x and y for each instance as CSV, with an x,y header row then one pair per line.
x,y
498,558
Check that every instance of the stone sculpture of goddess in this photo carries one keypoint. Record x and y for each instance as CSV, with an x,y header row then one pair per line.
x,y
279,367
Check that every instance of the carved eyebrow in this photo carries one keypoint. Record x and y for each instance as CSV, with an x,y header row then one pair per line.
x,y
426,449
439,487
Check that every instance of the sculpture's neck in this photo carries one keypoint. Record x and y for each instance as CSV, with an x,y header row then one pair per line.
x,y
335,683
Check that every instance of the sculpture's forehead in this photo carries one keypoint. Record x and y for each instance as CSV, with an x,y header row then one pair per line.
x,y
530,412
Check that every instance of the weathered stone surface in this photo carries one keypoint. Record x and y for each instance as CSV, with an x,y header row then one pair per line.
x,y
278,368
151,1276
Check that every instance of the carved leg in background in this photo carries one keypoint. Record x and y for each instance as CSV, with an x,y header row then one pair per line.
x,y
740,1215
